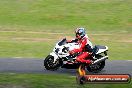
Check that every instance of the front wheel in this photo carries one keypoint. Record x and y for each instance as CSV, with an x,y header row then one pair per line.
x,y
96,67
49,65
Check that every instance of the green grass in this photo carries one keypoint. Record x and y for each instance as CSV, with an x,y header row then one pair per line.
x,y
30,28
40,44
93,14
48,81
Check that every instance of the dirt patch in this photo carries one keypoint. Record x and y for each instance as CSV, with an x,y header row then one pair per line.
x,y
42,32
34,32
13,86
126,41
34,39
57,38
126,38
101,34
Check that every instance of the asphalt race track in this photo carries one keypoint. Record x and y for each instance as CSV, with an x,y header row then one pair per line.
x,y
23,65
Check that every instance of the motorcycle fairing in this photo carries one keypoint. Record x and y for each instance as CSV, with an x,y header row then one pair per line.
x,y
99,49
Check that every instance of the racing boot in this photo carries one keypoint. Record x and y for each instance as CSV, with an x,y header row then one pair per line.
x,y
86,61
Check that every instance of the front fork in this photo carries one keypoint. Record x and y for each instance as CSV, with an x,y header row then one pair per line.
x,y
54,55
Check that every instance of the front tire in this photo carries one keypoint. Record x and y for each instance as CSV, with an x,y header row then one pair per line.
x,y
49,65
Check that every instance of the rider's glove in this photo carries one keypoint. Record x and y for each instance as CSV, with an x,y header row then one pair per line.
x,y
68,41
71,52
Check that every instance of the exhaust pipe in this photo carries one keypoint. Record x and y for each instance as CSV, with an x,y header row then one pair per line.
x,y
100,60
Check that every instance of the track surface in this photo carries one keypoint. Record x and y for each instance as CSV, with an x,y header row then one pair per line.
x,y
23,65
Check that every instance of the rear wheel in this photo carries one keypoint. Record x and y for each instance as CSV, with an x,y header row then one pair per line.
x,y
96,67
49,63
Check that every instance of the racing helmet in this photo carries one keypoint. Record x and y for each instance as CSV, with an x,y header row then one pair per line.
x,y
80,33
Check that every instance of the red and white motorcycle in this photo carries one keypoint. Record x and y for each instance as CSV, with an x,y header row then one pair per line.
x,y
60,57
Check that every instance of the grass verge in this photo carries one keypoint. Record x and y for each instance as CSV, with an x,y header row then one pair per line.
x,y
48,81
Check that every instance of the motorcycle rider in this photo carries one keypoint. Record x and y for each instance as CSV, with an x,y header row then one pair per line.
x,y
85,46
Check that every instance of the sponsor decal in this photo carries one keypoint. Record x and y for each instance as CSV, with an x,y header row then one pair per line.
x,y
107,78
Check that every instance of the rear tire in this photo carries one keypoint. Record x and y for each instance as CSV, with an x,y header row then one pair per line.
x,y
96,67
49,65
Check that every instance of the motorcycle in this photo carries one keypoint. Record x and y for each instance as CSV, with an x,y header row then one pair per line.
x,y
60,57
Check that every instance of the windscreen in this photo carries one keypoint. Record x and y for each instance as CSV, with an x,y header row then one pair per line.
x,y
62,42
